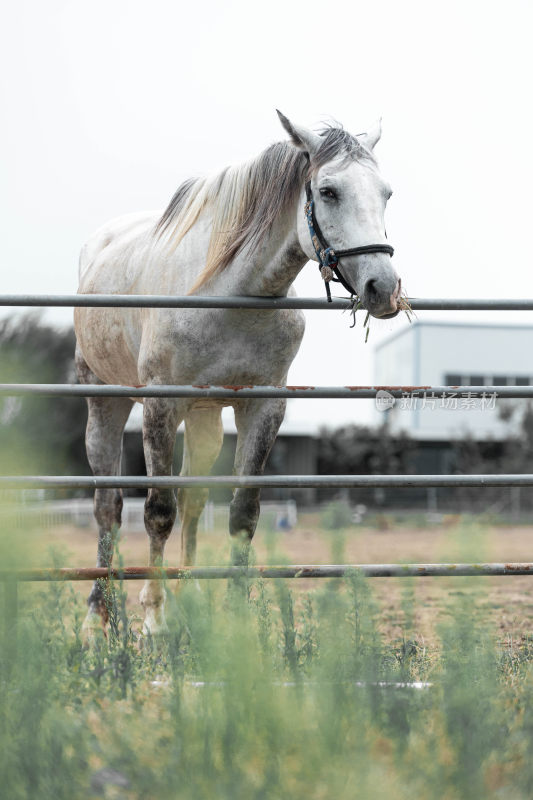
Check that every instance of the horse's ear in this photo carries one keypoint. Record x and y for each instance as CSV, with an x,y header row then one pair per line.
x,y
302,138
371,137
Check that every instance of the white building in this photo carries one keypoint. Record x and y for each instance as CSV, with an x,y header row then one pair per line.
x,y
455,354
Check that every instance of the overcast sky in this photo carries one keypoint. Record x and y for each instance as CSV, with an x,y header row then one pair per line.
x,y
107,106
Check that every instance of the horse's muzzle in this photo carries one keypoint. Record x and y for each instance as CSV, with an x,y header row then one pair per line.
x,y
381,297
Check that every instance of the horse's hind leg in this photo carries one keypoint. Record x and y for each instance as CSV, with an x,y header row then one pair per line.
x,y
203,439
105,426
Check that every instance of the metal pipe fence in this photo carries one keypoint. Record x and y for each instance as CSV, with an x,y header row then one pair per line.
x,y
289,571
230,392
10,578
260,481
265,303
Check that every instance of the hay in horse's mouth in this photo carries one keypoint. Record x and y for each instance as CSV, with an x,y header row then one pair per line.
x,y
403,305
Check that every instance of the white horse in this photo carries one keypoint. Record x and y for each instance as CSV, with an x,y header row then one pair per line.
x,y
240,232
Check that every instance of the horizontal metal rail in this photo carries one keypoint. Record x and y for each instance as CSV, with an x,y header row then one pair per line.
x,y
292,571
260,481
288,392
196,301
169,301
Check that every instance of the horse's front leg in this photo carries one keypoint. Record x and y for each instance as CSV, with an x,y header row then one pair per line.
x,y
257,423
161,418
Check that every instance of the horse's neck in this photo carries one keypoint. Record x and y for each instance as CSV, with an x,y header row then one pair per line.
x,y
270,270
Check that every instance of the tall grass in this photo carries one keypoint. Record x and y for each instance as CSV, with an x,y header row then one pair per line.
x,y
261,693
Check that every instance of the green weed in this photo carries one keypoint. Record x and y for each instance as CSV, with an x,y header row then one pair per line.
x,y
267,693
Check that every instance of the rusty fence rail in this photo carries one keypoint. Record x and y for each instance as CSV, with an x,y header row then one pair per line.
x,y
285,571
287,392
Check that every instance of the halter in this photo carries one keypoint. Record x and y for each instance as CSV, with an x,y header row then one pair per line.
x,y
328,257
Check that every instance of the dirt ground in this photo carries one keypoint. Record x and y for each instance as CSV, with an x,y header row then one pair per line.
x,y
506,601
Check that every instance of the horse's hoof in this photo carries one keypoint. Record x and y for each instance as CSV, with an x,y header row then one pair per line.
x,y
93,629
154,632
155,624
153,641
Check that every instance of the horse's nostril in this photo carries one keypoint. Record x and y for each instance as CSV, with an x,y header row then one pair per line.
x,y
371,291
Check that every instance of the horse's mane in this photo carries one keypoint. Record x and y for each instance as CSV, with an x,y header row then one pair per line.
x,y
245,200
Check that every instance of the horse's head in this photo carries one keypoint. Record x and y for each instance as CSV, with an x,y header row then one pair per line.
x,y
348,204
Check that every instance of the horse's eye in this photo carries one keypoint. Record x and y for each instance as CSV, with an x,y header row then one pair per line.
x,y
329,193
